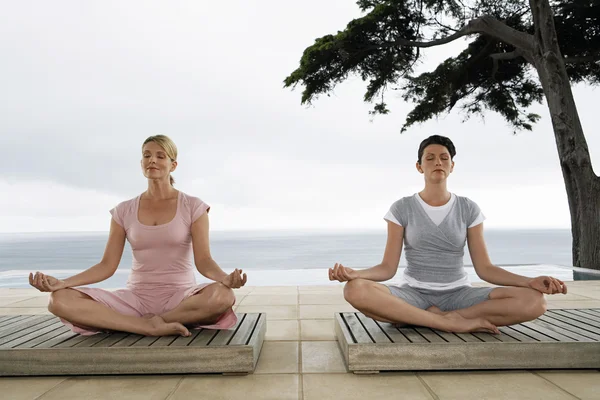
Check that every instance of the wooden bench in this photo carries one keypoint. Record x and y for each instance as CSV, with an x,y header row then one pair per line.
x,y
42,345
558,339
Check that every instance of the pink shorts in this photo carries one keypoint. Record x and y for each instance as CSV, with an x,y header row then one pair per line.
x,y
141,302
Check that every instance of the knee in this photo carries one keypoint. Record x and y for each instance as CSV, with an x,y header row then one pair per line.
x,y
355,291
534,304
58,302
222,297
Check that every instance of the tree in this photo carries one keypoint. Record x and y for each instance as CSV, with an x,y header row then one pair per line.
x,y
512,41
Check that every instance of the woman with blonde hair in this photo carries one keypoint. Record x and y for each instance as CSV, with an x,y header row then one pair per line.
x,y
168,233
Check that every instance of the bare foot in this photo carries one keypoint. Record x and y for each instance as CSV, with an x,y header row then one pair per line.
x,y
436,310
458,323
161,328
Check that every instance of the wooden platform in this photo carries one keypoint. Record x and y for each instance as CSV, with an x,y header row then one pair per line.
x,y
42,345
558,339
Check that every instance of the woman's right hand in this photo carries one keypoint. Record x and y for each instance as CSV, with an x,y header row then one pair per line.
x,y
341,273
45,283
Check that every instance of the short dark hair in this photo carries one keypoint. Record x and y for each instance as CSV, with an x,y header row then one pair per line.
x,y
437,139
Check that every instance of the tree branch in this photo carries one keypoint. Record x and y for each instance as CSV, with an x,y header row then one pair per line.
x,y
584,59
486,25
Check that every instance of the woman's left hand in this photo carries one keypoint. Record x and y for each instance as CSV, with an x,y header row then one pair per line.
x,y
235,280
548,285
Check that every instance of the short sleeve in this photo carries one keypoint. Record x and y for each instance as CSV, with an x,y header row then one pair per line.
x,y
198,208
398,213
475,216
390,217
118,214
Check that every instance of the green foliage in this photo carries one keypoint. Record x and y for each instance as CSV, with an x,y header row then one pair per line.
x,y
369,48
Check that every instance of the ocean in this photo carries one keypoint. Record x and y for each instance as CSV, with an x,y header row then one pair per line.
x,y
272,253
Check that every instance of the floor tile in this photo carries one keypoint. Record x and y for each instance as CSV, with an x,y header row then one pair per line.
x,y
26,388
282,330
273,312
270,290
152,387
264,387
322,357
317,329
310,311
7,301
322,299
270,300
23,310
278,358
362,387
574,304
583,384
37,301
507,385
565,297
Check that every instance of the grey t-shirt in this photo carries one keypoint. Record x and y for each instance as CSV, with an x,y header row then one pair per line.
x,y
434,253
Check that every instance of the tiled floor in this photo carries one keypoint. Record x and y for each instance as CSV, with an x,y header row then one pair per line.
x,y
300,359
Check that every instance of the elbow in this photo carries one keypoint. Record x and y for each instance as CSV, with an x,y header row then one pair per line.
x,y
390,270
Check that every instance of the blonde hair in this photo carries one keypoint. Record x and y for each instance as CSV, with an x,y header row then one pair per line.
x,y
168,146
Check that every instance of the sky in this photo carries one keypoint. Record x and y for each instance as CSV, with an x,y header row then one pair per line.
x,y
84,83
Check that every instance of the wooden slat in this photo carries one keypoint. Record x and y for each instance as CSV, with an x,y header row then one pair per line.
x,y
486,337
591,316
22,339
5,318
43,338
224,336
502,337
448,337
523,338
593,311
392,332
63,337
548,332
242,336
588,318
165,341
17,332
13,327
412,335
571,325
377,335
92,340
467,337
429,335
532,333
560,331
112,339
146,341
356,329
186,340
204,338
13,319
130,340
583,318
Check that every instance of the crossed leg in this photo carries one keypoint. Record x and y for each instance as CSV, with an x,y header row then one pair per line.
x,y
375,301
506,306
80,309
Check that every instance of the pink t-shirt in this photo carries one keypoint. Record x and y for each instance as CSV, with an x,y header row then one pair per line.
x,y
162,254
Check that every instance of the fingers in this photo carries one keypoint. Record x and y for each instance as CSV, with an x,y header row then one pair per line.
x,y
564,286
338,273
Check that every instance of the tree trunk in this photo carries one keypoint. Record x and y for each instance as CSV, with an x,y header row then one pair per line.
x,y
583,186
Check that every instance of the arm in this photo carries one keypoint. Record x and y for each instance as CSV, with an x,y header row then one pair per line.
x,y
380,272
203,260
499,276
98,273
